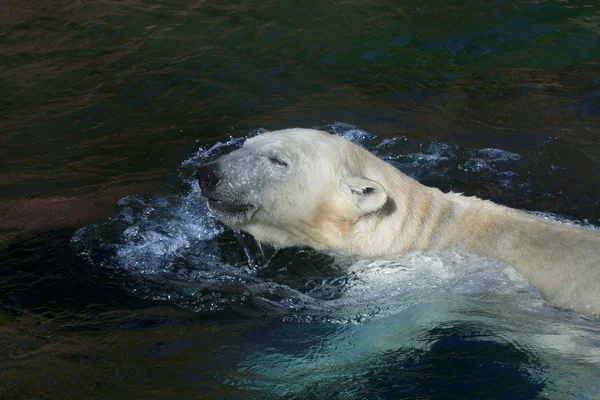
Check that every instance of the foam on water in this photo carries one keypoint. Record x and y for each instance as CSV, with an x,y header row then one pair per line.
x,y
171,248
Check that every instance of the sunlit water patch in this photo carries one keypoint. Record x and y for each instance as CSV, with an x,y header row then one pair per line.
x,y
359,322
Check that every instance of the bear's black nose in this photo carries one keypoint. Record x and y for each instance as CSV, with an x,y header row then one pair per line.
x,y
208,177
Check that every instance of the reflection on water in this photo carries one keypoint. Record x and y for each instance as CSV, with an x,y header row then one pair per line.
x,y
152,297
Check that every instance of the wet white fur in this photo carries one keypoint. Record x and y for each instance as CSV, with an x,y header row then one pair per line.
x,y
334,195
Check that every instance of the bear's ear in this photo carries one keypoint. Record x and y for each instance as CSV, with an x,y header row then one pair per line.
x,y
369,196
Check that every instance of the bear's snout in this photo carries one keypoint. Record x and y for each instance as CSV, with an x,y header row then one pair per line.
x,y
208,177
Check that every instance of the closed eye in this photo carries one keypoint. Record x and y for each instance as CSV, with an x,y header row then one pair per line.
x,y
277,161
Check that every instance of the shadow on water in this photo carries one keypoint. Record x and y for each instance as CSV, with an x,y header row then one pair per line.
x,y
72,330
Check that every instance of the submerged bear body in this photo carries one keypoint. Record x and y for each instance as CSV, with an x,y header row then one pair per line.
x,y
302,187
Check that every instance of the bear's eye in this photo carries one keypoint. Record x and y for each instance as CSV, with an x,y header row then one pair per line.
x,y
278,161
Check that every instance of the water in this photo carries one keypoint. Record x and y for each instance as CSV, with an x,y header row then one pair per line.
x,y
333,319
117,283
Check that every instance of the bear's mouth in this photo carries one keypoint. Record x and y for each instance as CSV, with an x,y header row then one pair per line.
x,y
228,208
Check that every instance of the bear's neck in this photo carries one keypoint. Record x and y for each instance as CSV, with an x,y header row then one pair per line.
x,y
429,219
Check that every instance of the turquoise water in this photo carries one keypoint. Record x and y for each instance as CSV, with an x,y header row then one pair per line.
x,y
117,283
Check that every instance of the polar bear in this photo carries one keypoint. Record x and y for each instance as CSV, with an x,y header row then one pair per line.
x,y
302,187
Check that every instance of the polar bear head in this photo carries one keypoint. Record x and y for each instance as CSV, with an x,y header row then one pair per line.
x,y
296,187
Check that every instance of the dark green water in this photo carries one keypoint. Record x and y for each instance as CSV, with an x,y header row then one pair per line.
x,y
102,100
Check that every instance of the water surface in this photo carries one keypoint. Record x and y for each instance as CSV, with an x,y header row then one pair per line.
x,y
117,283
